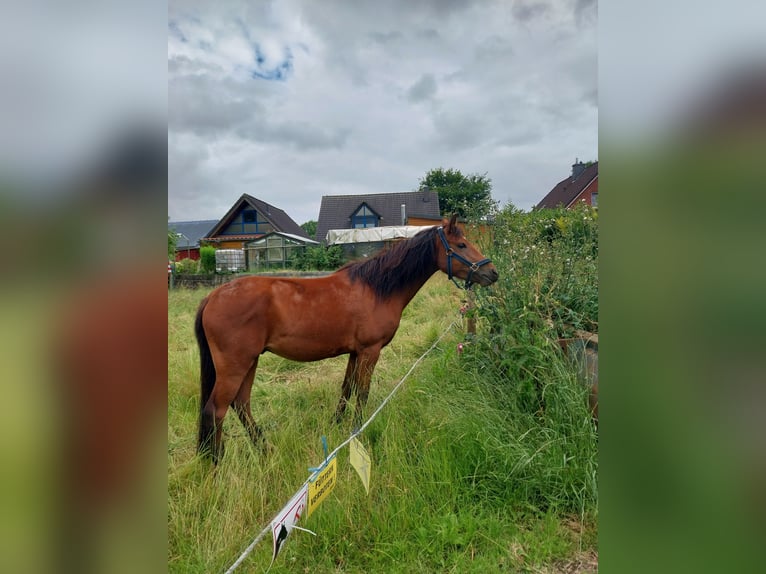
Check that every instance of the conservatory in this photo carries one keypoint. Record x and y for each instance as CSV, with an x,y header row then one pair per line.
x,y
274,250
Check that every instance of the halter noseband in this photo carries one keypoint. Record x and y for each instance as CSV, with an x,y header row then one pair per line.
x,y
451,253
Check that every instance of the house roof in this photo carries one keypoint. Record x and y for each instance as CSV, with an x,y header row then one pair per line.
x,y
300,238
568,189
336,210
194,230
278,218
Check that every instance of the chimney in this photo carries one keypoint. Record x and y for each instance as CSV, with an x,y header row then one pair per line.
x,y
577,168
404,214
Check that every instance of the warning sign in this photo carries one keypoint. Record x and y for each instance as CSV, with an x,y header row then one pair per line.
x,y
286,519
322,485
361,462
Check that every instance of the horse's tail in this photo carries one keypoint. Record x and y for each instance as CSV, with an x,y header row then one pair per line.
x,y
206,379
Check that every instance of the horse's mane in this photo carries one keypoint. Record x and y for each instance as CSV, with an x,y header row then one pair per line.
x,y
398,267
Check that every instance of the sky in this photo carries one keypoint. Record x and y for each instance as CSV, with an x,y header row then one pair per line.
x,y
292,100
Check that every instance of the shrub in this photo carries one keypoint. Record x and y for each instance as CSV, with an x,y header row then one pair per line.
x,y
187,266
544,450
548,264
317,258
548,288
207,259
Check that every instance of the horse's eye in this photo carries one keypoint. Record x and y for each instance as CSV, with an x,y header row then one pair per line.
x,y
461,245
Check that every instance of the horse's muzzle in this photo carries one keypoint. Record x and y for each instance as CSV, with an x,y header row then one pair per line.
x,y
485,275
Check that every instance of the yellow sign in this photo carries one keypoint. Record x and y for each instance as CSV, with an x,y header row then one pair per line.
x,y
361,462
322,485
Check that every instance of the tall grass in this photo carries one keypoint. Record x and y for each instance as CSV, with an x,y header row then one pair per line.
x,y
462,480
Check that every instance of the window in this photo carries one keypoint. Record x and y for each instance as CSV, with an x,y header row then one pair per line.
x,y
594,199
248,221
364,217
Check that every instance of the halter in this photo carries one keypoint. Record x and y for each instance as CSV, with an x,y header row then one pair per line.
x,y
451,253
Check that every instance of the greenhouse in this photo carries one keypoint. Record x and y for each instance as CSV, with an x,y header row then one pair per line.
x,y
274,250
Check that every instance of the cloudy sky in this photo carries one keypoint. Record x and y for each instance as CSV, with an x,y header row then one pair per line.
x,y
295,99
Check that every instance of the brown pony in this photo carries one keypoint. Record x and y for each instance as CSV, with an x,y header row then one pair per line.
x,y
355,310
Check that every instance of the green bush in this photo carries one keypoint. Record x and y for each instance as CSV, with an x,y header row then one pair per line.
x,y
548,265
187,267
544,450
548,288
318,258
207,259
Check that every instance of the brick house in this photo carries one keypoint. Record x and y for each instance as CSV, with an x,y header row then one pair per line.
x,y
581,185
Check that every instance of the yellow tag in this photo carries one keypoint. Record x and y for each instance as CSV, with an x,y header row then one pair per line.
x,y
322,485
361,462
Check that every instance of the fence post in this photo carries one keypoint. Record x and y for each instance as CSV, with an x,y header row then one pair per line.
x,y
470,305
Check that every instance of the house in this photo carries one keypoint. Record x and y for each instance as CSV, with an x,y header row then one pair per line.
x,y
581,185
189,234
377,210
248,219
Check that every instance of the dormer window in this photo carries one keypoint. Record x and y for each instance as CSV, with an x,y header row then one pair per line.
x,y
364,217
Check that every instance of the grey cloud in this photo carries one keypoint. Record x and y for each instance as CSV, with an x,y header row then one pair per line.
x,y
498,99
429,34
585,10
201,105
423,89
301,135
386,37
210,108
515,133
525,11
458,131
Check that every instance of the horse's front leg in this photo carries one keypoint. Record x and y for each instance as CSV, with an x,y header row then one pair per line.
x,y
365,366
346,388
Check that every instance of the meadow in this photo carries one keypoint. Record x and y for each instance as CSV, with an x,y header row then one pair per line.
x,y
468,474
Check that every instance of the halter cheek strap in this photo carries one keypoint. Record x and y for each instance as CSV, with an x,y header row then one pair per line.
x,y
451,253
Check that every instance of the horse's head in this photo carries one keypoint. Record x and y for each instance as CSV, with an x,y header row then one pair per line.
x,y
458,257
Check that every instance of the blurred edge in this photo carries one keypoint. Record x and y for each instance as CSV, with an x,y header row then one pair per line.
x,y
83,195
683,277
84,307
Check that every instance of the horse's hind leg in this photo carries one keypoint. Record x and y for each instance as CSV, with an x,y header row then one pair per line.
x,y
241,406
347,387
227,384
206,442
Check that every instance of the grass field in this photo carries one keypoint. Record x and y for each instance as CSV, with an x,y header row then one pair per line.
x,y
460,482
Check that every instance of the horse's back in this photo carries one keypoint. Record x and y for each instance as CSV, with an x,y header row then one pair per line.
x,y
303,319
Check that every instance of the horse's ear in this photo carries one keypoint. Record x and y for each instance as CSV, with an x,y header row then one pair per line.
x,y
451,225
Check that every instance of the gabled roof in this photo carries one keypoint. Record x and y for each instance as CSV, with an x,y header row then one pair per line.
x,y
565,191
370,207
278,218
194,230
336,210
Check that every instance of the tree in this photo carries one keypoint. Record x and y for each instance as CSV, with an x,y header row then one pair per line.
x,y
172,242
310,227
470,196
